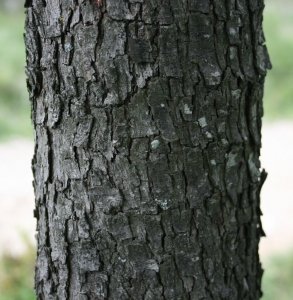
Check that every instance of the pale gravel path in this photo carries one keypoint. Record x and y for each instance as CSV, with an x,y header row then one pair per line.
x,y
17,200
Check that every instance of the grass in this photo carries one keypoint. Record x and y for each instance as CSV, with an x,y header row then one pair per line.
x,y
277,278
16,275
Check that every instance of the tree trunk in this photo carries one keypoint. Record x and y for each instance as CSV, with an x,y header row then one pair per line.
x,y
147,118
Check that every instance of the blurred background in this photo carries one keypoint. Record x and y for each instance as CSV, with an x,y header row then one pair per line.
x,y
16,149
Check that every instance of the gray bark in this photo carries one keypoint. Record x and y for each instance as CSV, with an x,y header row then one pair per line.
x,y
147,118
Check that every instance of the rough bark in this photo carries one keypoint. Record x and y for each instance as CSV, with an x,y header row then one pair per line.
x,y
147,118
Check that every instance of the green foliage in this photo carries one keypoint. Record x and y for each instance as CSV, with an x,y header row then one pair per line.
x,y
14,101
278,24
277,278
16,275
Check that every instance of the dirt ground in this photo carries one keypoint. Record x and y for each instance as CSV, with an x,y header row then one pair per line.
x,y
17,198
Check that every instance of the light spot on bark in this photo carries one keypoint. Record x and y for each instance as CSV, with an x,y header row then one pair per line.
x,y
68,47
209,135
152,265
216,74
236,93
233,52
213,162
254,171
224,141
155,144
187,110
122,259
98,2
232,31
231,160
245,284
163,203
202,122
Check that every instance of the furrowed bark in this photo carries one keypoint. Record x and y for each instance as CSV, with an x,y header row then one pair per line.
x,y
147,121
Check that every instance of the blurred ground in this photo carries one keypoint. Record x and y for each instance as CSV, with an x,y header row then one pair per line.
x,y
17,200
277,192
16,195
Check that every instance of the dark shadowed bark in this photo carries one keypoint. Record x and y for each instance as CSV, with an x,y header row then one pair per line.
x,y
147,118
